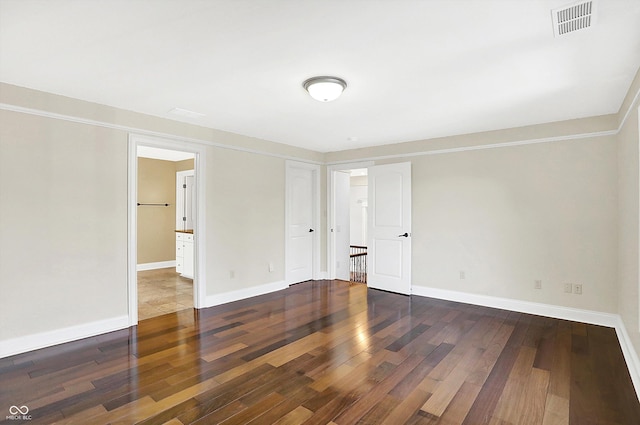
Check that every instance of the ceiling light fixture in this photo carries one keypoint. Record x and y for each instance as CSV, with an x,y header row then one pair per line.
x,y
325,89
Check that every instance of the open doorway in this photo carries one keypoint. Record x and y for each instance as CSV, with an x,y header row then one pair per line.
x,y
165,236
197,154
348,200
358,205
387,252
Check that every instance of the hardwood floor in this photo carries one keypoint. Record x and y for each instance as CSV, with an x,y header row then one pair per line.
x,y
163,291
330,353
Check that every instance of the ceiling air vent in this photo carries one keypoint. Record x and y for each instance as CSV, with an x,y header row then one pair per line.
x,y
572,18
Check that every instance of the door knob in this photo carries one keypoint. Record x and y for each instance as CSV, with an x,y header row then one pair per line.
x,y
404,235
310,230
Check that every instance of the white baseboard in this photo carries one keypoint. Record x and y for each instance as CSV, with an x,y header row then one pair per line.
x,y
241,294
155,266
23,344
10,347
558,312
630,355
19,345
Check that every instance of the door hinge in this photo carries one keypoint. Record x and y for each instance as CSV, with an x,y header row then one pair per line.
x,y
184,218
184,186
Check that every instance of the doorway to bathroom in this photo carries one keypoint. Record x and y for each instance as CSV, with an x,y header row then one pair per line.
x,y
165,231
165,215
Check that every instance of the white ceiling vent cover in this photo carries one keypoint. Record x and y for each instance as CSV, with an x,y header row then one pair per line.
x,y
572,18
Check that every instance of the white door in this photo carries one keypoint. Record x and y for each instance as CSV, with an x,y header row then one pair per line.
x,y
189,201
185,199
389,225
341,225
301,229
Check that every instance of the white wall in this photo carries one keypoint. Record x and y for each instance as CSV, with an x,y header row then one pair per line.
x,y
358,200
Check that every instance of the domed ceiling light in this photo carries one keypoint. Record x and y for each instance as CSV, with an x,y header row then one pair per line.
x,y
325,89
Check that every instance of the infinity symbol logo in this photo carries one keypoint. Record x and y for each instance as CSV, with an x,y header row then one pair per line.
x,y
14,410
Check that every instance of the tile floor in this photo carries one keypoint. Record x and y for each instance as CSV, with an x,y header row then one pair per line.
x,y
163,291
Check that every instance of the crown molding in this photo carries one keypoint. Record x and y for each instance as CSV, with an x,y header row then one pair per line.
x,y
140,131
480,147
144,132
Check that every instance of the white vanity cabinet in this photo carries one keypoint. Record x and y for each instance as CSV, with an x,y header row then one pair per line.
x,y
184,254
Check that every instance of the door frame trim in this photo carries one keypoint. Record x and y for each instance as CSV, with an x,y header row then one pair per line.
x,y
199,279
316,275
331,216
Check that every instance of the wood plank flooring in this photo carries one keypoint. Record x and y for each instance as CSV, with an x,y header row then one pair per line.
x,y
327,352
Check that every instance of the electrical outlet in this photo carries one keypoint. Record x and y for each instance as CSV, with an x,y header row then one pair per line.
x,y
271,267
577,288
568,288
463,275
538,284
232,274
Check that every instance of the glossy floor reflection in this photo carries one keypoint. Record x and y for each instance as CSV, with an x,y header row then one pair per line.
x,y
329,352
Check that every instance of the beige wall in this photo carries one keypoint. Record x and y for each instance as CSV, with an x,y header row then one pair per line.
x,y
245,220
629,214
63,214
184,165
63,224
156,224
509,216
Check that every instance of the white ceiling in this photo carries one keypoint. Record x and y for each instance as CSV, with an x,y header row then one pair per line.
x,y
415,69
163,154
